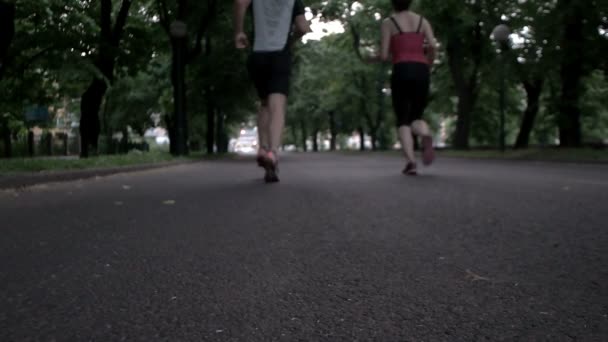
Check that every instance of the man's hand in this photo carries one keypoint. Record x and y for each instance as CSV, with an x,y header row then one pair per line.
x,y
241,41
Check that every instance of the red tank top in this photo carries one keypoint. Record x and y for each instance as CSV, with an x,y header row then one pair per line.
x,y
408,46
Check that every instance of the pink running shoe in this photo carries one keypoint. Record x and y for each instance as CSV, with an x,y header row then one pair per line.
x,y
428,152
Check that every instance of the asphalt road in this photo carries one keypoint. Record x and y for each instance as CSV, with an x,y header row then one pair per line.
x,y
345,248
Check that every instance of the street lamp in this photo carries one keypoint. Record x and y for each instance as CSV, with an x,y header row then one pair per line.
x,y
501,34
178,32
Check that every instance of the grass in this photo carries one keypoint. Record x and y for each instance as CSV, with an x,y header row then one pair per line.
x,y
19,165
586,155
44,164
28,165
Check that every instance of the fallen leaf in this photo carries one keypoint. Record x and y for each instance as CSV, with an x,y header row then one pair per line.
x,y
169,202
475,277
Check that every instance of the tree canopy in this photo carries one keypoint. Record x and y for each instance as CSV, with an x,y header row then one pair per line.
x,y
112,65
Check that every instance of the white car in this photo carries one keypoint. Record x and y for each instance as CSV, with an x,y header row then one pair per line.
x,y
162,140
246,144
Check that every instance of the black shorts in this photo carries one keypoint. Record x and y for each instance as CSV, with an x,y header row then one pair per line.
x,y
410,84
270,72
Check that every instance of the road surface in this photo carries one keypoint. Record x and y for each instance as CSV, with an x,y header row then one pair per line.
x,y
345,248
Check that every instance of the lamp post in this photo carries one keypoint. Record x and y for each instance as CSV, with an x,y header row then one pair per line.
x,y
178,33
501,34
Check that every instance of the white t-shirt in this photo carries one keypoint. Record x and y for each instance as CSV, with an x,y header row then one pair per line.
x,y
272,23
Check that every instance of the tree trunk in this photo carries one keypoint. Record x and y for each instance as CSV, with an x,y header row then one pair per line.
x,y
294,135
573,45
463,123
30,143
374,139
110,37
315,140
466,84
533,91
7,32
171,119
90,104
65,144
222,136
124,142
210,136
381,103
6,139
171,131
361,138
48,144
333,130
304,136
180,118
210,104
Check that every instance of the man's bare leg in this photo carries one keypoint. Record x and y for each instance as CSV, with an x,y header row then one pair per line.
x,y
276,109
263,132
263,127
277,104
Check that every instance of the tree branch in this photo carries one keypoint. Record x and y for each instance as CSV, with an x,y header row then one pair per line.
x,y
121,21
454,48
356,39
163,14
181,9
106,20
7,33
202,29
477,50
26,64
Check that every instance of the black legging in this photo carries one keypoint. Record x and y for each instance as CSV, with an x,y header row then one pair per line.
x,y
410,84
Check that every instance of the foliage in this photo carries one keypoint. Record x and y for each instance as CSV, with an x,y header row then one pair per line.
x,y
56,51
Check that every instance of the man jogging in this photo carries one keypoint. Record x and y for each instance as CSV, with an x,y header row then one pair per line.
x,y
270,66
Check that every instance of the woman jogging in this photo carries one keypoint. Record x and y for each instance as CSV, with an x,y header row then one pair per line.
x,y
403,41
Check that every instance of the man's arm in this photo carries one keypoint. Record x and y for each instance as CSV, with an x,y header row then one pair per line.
x,y
301,28
301,25
299,17
240,9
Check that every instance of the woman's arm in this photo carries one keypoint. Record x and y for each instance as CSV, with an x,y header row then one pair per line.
x,y
386,41
427,29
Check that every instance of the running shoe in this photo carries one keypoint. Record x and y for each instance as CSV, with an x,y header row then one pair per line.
x,y
270,163
410,169
428,152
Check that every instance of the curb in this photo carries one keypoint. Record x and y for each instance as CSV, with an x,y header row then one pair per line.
x,y
18,181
